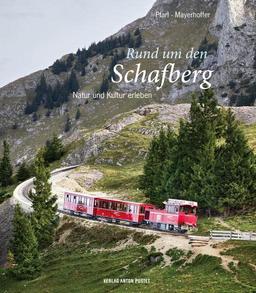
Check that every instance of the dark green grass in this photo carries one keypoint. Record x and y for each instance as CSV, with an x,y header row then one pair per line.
x,y
245,253
78,271
204,274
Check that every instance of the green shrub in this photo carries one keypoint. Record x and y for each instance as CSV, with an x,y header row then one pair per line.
x,y
175,254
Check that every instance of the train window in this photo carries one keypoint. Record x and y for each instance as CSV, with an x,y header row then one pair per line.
x,y
142,210
113,205
186,209
68,198
172,209
131,208
135,210
74,199
104,204
121,207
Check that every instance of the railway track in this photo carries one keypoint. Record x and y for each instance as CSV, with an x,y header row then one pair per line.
x,y
141,227
20,194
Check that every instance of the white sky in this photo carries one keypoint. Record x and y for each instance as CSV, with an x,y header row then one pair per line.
x,y
34,33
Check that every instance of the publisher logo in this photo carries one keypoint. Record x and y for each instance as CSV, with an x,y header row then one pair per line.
x,y
126,281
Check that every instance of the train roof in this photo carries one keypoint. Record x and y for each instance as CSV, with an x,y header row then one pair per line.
x,y
100,196
181,202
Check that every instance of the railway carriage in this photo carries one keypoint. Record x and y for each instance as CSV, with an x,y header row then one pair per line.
x,y
78,203
118,210
105,208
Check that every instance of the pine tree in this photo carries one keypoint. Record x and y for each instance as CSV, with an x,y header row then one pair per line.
x,y
41,93
56,95
4,194
131,43
73,84
24,247
67,124
236,169
41,88
137,32
34,117
58,67
64,91
83,71
138,41
49,98
184,168
69,61
44,218
192,175
53,150
104,87
78,114
158,160
5,166
23,172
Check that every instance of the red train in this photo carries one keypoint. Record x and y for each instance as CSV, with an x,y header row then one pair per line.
x,y
178,215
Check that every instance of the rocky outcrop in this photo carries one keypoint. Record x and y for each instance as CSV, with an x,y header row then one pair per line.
x,y
234,27
92,145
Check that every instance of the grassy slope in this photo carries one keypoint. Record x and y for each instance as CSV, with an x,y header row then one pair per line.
x,y
75,266
250,131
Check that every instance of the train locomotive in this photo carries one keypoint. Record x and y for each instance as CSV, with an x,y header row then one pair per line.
x,y
178,215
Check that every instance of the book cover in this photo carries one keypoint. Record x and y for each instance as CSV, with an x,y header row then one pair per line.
x,y
127,146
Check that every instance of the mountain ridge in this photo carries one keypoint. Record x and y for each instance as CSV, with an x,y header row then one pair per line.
x,y
211,34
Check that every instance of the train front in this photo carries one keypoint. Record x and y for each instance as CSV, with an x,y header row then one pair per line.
x,y
187,217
